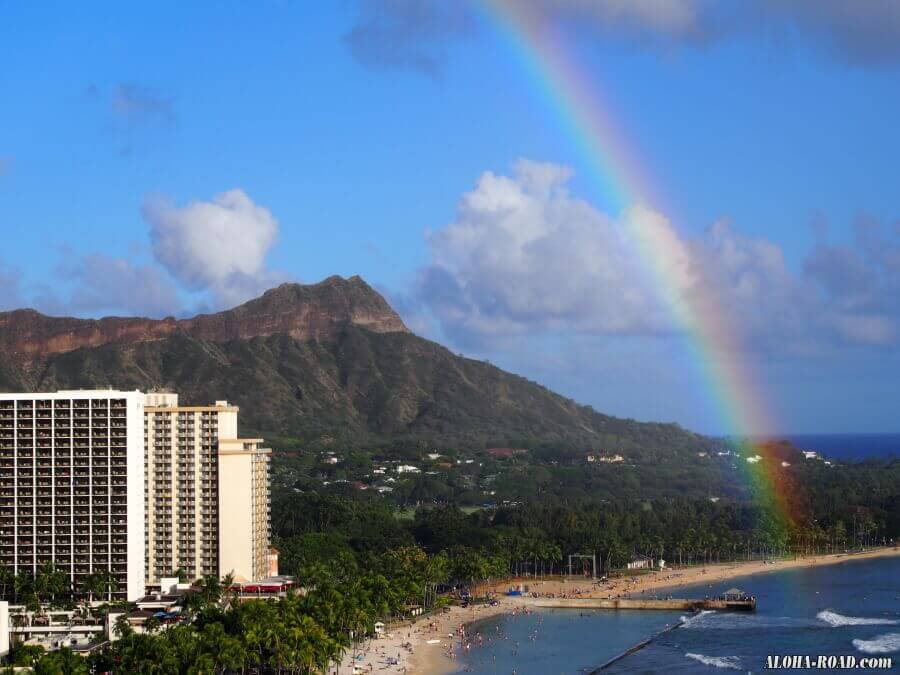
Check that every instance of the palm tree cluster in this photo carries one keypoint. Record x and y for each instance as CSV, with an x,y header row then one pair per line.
x,y
52,587
303,632
533,538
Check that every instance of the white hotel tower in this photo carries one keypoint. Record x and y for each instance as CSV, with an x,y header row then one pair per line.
x,y
72,483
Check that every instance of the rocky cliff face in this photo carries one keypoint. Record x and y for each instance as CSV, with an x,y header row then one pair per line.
x,y
304,312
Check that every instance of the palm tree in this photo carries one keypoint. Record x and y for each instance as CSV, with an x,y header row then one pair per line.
x,y
206,596
23,583
98,583
554,554
50,583
436,572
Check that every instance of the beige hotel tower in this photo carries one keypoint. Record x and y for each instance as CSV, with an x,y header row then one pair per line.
x,y
206,495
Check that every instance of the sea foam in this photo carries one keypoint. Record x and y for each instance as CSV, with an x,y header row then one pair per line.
x,y
710,620
732,662
694,618
880,644
837,620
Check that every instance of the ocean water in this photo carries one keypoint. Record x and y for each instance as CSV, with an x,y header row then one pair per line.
x,y
851,608
849,447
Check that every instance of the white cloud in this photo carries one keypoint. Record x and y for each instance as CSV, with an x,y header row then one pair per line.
x,y
218,246
524,256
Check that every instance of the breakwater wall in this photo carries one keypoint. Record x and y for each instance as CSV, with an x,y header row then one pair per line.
x,y
672,604
631,650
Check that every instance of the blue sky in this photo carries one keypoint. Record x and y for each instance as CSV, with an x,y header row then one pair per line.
x,y
375,137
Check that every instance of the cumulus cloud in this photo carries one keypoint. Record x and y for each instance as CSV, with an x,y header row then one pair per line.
x,y
524,256
206,255
860,281
219,246
415,33
747,285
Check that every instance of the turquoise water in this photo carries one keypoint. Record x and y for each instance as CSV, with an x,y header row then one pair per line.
x,y
852,608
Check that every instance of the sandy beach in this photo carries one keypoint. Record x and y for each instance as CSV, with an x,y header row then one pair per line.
x,y
673,578
424,647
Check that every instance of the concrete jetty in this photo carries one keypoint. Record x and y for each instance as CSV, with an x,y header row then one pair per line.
x,y
631,650
672,604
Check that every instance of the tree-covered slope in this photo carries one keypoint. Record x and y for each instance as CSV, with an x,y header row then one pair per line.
x,y
358,386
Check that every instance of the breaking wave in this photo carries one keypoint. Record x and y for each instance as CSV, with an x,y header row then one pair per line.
x,y
710,620
695,618
732,662
837,620
880,644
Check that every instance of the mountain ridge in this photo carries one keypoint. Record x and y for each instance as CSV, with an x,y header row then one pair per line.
x,y
314,311
329,360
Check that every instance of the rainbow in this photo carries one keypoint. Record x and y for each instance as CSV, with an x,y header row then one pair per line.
x,y
618,175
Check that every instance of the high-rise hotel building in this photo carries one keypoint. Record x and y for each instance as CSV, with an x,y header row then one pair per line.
x,y
71,485
207,492
132,484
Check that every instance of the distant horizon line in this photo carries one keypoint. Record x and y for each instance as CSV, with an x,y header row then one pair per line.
x,y
815,433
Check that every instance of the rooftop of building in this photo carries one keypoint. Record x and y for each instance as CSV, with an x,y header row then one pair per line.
x,y
167,401
71,393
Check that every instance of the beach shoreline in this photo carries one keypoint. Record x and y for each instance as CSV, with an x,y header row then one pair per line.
x,y
421,647
669,580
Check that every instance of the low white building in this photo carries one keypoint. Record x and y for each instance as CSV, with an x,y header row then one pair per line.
x,y
645,564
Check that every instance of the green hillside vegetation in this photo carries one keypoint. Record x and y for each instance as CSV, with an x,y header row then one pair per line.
x,y
361,387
